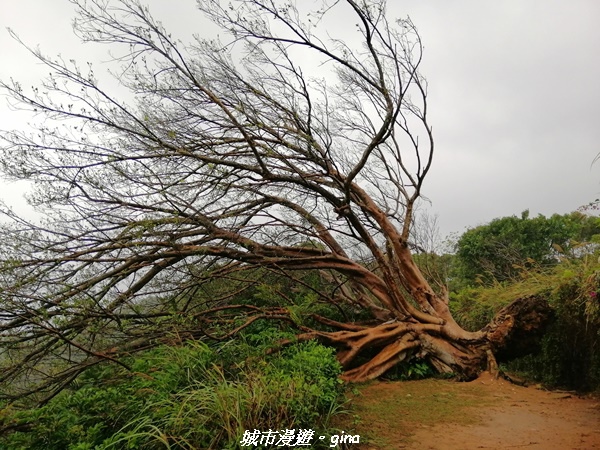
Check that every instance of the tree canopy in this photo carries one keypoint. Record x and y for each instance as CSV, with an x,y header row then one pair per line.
x,y
501,249
228,160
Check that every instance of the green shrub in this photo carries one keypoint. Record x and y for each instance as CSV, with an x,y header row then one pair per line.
x,y
415,369
184,398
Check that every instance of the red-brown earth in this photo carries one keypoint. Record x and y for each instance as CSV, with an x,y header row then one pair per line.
x,y
483,414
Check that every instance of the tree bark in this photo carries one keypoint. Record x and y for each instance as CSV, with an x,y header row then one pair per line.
x,y
515,331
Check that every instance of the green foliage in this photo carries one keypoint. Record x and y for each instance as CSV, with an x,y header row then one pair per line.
x,y
502,249
437,269
314,370
570,354
185,397
415,369
303,292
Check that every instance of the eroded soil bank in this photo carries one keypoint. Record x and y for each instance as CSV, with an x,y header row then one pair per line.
x,y
483,414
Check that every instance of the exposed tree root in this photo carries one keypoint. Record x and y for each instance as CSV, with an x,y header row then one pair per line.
x,y
517,329
387,358
397,341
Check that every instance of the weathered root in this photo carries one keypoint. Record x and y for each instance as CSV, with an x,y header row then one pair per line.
x,y
466,361
514,330
379,336
387,358
398,341
445,356
352,343
517,329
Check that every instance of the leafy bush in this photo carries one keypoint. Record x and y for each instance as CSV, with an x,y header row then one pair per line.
x,y
313,370
184,398
501,249
415,369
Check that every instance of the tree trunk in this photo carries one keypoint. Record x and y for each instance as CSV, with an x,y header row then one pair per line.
x,y
515,331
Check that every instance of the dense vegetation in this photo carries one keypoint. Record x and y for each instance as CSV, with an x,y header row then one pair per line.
x,y
186,397
569,354
500,250
555,257
205,393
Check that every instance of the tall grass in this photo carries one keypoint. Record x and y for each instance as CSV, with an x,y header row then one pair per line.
x,y
188,397
570,351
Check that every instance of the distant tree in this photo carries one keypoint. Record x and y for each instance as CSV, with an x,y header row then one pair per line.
x,y
502,248
230,157
432,254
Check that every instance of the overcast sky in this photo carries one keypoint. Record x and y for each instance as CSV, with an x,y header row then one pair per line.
x,y
514,95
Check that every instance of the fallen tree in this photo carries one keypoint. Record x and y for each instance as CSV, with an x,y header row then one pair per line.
x,y
229,156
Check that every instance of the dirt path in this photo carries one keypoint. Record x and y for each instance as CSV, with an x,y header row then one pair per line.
x,y
483,414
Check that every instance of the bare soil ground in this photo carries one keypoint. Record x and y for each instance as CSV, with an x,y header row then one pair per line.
x,y
483,414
